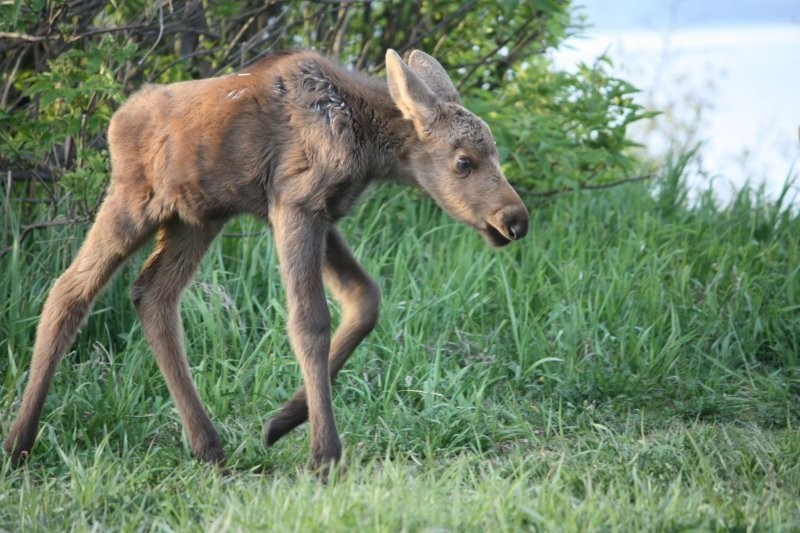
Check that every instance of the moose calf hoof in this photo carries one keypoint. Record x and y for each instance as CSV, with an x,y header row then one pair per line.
x,y
210,453
18,447
327,458
18,457
213,456
274,429
330,470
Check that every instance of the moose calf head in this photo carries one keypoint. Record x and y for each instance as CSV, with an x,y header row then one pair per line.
x,y
455,157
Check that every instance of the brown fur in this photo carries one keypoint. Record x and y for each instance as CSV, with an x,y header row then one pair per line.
x,y
293,140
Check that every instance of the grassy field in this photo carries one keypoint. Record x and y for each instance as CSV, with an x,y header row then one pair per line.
x,y
633,364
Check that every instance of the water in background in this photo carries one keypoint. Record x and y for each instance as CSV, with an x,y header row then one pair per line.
x,y
726,73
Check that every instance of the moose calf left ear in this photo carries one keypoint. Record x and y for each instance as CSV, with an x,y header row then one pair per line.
x,y
410,94
434,76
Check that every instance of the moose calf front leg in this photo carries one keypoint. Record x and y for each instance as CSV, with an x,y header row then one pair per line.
x,y
300,242
359,297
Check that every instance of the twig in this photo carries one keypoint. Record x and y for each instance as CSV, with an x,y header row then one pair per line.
x,y
342,22
28,175
23,36
583,186
26,230
10,82
160,31
227,52
488,57
464,8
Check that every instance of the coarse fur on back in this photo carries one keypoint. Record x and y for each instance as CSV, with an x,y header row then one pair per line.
x,y
220,146
292,140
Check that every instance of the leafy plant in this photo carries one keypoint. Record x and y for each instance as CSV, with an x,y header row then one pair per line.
x,y
561,130
65,68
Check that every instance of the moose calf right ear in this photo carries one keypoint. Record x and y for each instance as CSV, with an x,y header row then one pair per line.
x,y
410,94
434,76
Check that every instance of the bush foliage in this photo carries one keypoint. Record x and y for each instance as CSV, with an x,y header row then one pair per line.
x,y
67,66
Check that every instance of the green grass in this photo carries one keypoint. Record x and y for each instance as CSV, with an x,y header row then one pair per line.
x,y
633,364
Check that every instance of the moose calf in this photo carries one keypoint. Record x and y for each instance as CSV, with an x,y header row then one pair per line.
x,y
292,140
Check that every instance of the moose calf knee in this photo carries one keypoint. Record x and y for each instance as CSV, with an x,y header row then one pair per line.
x,y
310,328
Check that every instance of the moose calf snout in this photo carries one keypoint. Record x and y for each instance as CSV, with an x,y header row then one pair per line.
x,y
508,224
516,226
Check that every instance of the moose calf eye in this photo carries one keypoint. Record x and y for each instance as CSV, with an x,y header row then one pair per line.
x,y
463,165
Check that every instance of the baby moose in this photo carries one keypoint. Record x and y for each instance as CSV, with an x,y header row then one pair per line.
x,y
293,140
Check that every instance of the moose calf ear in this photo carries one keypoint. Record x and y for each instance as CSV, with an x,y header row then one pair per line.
x,y
410,94
434,76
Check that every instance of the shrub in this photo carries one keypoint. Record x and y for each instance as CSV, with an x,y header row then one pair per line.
x,y
65,67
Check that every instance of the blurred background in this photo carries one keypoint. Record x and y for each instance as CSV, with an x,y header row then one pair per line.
x,y
570,89
725,73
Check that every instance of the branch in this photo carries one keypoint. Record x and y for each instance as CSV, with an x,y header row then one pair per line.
x,y
44,175
25,230
583,186
160,32
23,36
488,57
401,49
467,6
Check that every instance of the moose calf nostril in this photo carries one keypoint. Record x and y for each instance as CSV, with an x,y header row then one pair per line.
x,y
516,229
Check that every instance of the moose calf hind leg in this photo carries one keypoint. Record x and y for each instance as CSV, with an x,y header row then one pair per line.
x,y
109,242
62,315
156,297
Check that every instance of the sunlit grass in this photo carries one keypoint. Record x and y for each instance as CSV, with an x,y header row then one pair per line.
x,y
633,364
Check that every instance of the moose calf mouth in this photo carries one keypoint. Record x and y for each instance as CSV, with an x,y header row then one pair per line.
x,y
500,230
493,236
